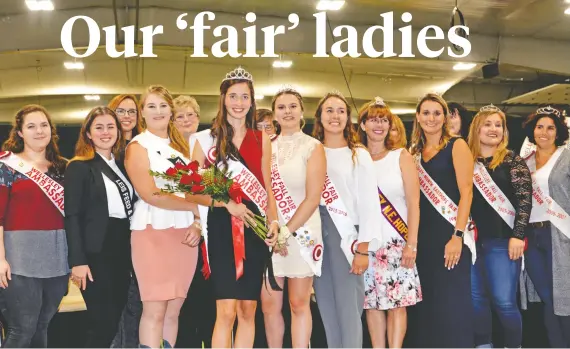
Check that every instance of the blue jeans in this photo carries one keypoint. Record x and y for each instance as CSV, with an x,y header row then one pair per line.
x,y
539,268
494,282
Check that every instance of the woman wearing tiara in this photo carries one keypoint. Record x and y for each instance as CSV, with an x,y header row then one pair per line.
x,y
237,260
351,221
391,281
445,165
298,174
547,259
501,209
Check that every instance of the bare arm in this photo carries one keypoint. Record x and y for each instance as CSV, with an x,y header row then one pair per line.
x,y
463,163
315,180
266,171
412,191
138,166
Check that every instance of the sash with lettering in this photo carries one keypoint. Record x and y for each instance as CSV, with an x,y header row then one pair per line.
x,y
310,244
556,214
250,187
342,221
493,194
52,189
445,206
392,216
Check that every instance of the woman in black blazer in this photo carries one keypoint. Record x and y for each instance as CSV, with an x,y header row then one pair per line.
x,y
98,207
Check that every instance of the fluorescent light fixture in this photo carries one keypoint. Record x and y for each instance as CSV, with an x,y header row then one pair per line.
x,y
258,96
282,64
403,111
567,12
330,5
92,97
39,5
74,65
464,66
567,1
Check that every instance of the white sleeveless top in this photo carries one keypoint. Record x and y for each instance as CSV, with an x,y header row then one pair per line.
x,y
390,181
159,156
294,153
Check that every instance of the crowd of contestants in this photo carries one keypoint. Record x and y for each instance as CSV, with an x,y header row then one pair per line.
x,y
121,243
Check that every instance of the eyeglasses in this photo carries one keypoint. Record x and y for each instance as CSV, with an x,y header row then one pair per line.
x,y
123,112
377,120
264,126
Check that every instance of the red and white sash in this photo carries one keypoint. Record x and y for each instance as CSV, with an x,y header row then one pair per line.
x,y
342,221
445,206
311,243
556,214
251,187
52,189
493,194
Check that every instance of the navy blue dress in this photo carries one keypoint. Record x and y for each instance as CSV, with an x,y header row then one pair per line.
x,y
445,316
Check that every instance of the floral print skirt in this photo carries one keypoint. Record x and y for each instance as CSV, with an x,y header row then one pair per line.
x,y
387,285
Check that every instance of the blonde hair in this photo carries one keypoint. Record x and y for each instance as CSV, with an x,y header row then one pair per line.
x,y
177,142
184,101
474,141
401,132
418,135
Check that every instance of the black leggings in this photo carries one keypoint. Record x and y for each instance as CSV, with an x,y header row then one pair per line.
x,y
28,304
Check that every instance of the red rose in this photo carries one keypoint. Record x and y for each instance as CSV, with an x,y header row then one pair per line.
x,y
171,172
193,166
186,180
236,194
196,178
179,166
197,189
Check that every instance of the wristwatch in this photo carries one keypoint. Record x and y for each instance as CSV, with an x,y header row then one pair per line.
x,y
458,233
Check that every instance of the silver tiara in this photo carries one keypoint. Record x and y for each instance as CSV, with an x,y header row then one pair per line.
x,y
490,107
337,93
548,110
287,88
239,74
431,92
379,101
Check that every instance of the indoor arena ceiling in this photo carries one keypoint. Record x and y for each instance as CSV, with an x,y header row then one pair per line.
x,y
530,40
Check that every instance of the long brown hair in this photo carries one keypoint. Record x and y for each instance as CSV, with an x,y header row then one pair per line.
x,y
474,141
84,148
418,135
222,130
371,110
349,133
15,143
176,140
114,104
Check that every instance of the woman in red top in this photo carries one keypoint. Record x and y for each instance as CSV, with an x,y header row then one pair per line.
x,y
233,138
34,272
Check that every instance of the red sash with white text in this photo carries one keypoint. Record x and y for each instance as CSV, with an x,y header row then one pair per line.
x,y
342,221
310,243
52,189
251,187
392,216
493,194
556,214
445,206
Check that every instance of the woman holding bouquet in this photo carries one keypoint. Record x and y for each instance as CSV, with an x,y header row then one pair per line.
x,y
298,174
352,225
237,257
165,228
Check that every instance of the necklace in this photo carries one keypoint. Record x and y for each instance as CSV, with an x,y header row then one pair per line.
x,y
379,152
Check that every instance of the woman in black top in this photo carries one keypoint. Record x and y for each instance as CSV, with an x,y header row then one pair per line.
x,y
502,201
98,206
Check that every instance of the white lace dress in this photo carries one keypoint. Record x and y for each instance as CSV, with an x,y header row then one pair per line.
x,y
294,153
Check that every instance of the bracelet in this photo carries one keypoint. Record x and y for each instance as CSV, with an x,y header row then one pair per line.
x,y
274,221
361,253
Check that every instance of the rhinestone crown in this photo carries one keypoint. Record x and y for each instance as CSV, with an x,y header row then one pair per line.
x,y
239,74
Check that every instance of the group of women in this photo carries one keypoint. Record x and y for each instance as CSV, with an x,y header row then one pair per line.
x,y
343,209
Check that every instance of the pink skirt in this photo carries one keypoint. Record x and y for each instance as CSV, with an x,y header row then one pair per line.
x,y
163,265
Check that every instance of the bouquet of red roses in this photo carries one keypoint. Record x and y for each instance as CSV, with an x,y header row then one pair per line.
x,y
191,179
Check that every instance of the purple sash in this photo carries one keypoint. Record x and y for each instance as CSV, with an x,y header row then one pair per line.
x,y
392,216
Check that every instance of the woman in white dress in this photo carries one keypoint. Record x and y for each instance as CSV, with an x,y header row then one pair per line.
x,y
299,165
352,225
391,281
